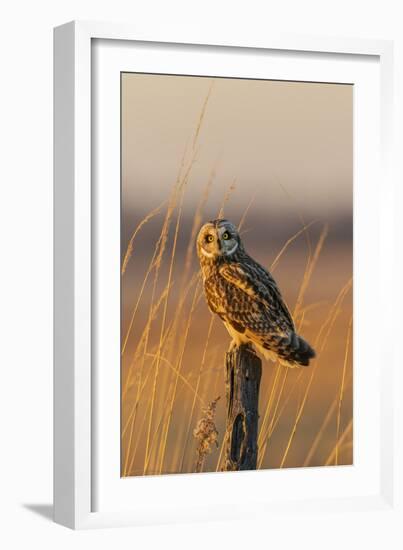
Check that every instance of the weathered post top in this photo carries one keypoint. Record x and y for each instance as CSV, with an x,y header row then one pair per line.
x,y
243,374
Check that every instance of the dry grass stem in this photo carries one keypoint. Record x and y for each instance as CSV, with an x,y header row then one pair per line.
x,y
153,264
329,323
319,435
343,437
245,213
288,242
129,250
197,220
163,323
202,115
196,296
343,378
292,200
227,196
202,363
310,268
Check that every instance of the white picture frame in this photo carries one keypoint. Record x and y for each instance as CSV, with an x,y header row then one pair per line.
x,y
88,491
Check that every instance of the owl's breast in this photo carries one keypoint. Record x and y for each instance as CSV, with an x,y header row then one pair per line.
x,y
224,297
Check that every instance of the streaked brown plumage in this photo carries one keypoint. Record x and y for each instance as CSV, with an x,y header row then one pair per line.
x,y
246,298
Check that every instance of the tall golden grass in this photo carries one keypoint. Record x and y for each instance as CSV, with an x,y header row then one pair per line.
x,y
173,356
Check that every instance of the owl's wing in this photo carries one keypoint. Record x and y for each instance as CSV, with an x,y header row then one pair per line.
x,y
262,291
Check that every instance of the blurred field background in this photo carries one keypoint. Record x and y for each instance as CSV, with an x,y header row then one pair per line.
x,y
275,157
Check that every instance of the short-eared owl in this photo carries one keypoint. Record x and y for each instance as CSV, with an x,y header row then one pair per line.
x,y
246,298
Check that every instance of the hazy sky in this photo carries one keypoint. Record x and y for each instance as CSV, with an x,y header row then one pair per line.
x,y
264,134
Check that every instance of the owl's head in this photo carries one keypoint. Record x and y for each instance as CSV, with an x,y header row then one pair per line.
x,y
218,238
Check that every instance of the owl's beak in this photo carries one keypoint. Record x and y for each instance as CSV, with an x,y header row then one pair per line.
x,y
219,247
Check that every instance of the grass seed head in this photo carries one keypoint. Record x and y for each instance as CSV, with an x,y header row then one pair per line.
x,y
206,433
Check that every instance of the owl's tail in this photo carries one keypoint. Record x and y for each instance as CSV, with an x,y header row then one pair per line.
x,y
291,351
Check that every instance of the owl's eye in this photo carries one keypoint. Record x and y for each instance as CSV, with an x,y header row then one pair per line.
x,y
226,236
210,238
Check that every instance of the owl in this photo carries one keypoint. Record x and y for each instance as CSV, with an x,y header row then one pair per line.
x,y
246,298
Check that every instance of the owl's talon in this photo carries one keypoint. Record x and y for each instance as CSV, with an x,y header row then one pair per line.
x,y
250,348
233,345
247,346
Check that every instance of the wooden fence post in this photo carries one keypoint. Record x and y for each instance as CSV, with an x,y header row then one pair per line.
x,y
243,374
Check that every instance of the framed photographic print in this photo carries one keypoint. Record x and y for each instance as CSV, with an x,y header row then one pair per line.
x,y
221,245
